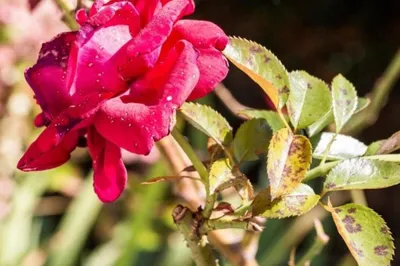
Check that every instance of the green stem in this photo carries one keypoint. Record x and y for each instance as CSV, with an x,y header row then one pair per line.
x,y
225,222
200,249
319,243
200,168
75,226
68,15
282,117
320,170
358,196
379,96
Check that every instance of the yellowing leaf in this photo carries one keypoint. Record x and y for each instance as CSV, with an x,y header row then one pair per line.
x,y
262,66
207,120
345,100
251,139
301,200
309,99
362,173
343,147
365,234
289,158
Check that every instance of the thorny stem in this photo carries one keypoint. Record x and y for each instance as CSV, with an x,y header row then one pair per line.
x,y
378,97
187,225
320,241
200,168
68,15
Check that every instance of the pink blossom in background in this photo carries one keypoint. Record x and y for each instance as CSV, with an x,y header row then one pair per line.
x,y
118,81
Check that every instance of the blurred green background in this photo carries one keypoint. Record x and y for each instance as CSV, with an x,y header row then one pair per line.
x,y
55,216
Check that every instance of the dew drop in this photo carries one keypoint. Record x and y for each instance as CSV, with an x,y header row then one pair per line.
x,y
90,64
169,98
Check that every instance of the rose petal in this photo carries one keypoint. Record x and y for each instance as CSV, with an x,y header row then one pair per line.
x,y
109,171
49,77
142,52
81,16
53,147
209,40
97,68
135,121
146,9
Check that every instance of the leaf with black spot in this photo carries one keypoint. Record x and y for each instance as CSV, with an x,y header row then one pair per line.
x,y
289,158
365,234
300,201
262,66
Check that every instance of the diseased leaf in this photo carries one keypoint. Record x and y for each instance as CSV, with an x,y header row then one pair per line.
x,y
168,178
362,173
343,147
272,118
262,66
207,120
309,99
365,234
328,118
301,200
289,157
345,100
391,144
251,139
223,175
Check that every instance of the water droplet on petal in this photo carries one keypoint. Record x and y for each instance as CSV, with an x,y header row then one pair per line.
x,y
169,98
90,64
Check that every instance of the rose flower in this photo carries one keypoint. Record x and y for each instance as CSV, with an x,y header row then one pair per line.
x,y
118,81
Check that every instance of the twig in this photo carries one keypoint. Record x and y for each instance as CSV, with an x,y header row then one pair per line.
x,y
378,97
200,168
319,243
358,196
68,14
194,195
201,250
230,102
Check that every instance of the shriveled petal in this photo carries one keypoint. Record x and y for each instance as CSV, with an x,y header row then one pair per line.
x,y
142,52
53,147
135,121
49,77
109,171
209,40
97,68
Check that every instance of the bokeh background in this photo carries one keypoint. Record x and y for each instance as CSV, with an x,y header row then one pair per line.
x,y
55,215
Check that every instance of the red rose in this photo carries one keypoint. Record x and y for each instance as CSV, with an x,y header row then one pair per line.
x,y
117,81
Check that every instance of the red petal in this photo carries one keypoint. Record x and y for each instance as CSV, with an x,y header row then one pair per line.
x,y
146,9
53,147
81,16
49,77
134,122
109,171
209,40
97,68
142,52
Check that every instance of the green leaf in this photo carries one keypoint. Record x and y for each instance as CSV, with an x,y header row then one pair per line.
x,y
301,200
309,99
251,139
262,66
391,144
362,173
374,147
207,120
289,158
345,100
385,157
328,118
343,147
365,234
272,118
